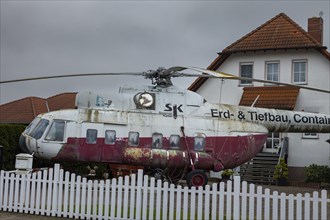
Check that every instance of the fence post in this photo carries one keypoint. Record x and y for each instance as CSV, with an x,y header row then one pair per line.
x,y
237,189
1,156
139,194
324,201
315,205
56,173
2,177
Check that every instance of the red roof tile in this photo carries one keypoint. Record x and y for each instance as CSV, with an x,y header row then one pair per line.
x,y
279,32
277,97
22,111
62,101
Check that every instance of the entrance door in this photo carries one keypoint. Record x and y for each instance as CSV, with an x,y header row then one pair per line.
x,y
272,143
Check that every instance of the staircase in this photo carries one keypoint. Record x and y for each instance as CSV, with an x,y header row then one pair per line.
x,y
260,169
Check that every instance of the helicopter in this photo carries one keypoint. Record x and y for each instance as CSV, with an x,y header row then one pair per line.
x,y
164,129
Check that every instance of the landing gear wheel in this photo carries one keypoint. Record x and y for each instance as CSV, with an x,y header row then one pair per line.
x,y
196,178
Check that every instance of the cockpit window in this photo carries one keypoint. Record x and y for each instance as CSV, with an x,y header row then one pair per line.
x,y
31,126
56,131
39,130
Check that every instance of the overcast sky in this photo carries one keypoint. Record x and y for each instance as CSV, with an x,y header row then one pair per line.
x,y
41,38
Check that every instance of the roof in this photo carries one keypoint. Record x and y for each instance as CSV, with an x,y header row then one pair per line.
x,y
280,32
23,111
62,101
277,97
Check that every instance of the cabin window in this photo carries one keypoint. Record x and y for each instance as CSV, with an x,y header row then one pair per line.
x,y
133,138
39,130
110,137
91,136
174,141
56,131
272,71
246,70
199,143
157,140
299,71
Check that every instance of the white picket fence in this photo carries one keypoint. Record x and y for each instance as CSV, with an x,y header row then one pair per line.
x,y
54,192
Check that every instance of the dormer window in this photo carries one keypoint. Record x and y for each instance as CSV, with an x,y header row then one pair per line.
x,y
246,71
299,71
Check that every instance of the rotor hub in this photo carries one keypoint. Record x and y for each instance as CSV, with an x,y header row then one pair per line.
x,y
160,77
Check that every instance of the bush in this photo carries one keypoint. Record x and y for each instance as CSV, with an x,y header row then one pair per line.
x,y
9,137
317,173
281,170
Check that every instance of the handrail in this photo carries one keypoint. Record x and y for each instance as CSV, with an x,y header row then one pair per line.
x,y
284,148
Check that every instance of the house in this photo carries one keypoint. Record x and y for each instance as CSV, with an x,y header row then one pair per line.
x,y
23,111
278,50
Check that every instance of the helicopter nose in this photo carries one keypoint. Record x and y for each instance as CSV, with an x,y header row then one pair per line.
x,y
22,144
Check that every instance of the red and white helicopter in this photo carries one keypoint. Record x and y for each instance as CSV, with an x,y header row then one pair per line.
x,y
166,130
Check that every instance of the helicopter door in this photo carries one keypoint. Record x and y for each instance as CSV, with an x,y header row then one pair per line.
x,y
90,143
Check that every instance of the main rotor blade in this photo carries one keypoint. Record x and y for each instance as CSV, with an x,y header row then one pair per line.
x,y
223,75
71,75
172,72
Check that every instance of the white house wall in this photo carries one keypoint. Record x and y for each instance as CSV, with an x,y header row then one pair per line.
x,y
302,152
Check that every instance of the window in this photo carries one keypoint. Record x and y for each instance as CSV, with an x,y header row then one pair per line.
x,y
133,138
246,70
91,136
272,71
39,130
174,141
157,140
299,69
56,131
31,126
199,143
110,137
273,141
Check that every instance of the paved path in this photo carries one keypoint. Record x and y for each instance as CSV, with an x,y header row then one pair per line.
x,y
19,216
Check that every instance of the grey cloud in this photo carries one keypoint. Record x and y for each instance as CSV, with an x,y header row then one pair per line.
x,y
63,37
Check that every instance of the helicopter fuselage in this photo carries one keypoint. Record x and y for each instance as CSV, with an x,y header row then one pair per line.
x,y
161,128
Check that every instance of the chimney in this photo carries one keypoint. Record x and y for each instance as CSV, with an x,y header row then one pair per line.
x,y
315,28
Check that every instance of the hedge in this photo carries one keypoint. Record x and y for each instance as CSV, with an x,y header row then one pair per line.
x,y
9,137
317,173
